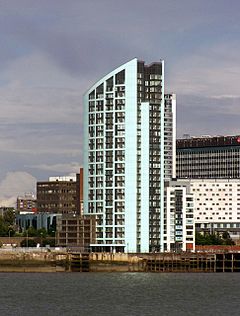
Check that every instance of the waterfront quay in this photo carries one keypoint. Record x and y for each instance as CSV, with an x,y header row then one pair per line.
x,y
61,260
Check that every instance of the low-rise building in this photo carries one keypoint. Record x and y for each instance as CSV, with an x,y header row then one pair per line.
x,y
57,196
62,195
76,231
26,203
37,221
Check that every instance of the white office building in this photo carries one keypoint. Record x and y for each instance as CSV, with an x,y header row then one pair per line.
x,y
217,205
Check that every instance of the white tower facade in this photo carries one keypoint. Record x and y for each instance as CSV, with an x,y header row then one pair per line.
x,y
125,156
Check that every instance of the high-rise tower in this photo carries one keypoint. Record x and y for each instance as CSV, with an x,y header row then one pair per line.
x,y
128,153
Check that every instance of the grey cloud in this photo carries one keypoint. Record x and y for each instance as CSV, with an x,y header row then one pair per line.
x,y
36,139
52,51
213,71
75,34
31,97
66,168
15,184
198,115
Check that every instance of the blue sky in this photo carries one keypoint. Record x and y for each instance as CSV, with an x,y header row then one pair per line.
x,y
52,51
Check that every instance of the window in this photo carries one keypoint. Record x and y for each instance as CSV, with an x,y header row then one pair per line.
x,y
120,77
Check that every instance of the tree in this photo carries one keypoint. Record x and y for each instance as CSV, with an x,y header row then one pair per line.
x,y
42,233
213,239
28,243
199,239
50,242
7,223
9,217
227,240
31,232
4,228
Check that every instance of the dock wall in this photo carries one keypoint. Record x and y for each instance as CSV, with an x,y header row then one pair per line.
x,y
49,261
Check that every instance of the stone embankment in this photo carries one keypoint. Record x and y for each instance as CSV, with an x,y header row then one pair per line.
x,y
32,261
45,260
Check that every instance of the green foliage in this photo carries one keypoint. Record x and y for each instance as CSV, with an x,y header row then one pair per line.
x,y
30,232
33,232
7,222
41,237
17,234
28,243
51,231
213,239
227,239
50,242
3,228
9,217
42,233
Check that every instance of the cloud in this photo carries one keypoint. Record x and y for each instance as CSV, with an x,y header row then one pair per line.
x,y
41,112
199,115
15,184
67,168
53,51
74,35
36,91
225,96
213,71
41,140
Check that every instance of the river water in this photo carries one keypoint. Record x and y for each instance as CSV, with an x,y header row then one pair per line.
x,y
87,294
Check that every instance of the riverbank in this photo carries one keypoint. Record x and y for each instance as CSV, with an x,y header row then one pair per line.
x,y
32,261
62,261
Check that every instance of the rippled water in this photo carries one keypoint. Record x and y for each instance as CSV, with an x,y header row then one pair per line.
x,y
119,294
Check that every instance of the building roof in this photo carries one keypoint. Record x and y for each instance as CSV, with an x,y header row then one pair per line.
x,y
208,141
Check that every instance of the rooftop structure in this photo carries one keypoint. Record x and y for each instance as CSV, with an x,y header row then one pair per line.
x,y
63,178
